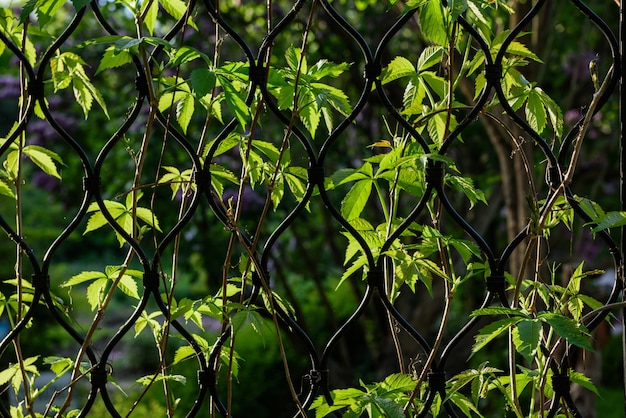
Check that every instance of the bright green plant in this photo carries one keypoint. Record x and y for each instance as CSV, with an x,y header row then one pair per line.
x,y
187,88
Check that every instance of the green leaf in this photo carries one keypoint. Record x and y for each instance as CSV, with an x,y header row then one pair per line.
x,y
433,24
519,49
59,365
150,15
493,330
202,81
526,338
574,332
128,286
175,8
80,4
114,58
535,112
398,67
356,199
234,102
457,8
6,190
184,111
186,54
429,57
466,185
500,310
183,353
584,381
44,159
95,221
95,292
610,220
82,277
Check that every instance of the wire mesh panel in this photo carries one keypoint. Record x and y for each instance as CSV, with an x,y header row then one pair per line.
x,y
309,208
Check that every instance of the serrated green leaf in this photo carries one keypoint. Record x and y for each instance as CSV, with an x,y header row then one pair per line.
x,y
356,199
535,112
457,8
184,111
433,24
44,158
234,102
526,338
202,81
429,57
466,185
500,310
114,58
492,331
584,381
519,49
128,286
175,8
59,365
610,220
574,332
95,221
186,54
95,292
183,353
398,67
150,15
82,277
6,190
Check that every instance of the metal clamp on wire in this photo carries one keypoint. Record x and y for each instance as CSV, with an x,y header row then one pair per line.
x,y
561,384
35,88
204,378
493,73
496,283
41,282
316,175
98,377
91,185
375,278
257,74
151,280
437,381
372,70
434,174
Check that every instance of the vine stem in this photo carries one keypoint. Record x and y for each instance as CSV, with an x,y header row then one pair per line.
x,y
19,230
547,209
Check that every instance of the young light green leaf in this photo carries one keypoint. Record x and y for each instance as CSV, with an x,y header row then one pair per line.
x,y
398,67
44,158
356,199
114,58
6,190
82,277
433,24
95,292
429,57
184,111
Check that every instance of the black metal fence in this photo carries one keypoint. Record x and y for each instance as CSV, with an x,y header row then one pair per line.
x,y
209,226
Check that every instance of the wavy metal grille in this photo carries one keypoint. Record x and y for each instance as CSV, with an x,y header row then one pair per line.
x,y
319,379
